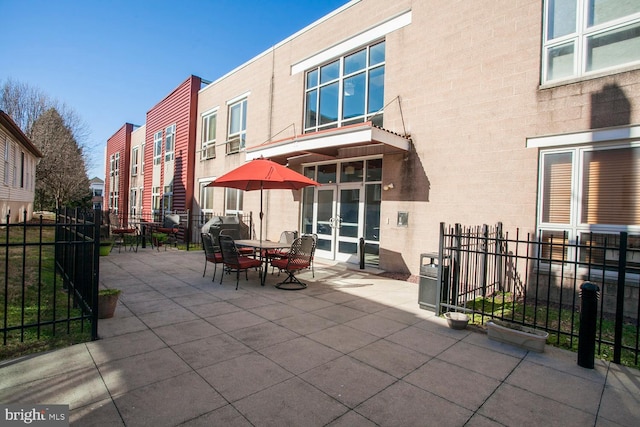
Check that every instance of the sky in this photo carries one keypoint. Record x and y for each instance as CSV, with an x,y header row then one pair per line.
x,y
111,61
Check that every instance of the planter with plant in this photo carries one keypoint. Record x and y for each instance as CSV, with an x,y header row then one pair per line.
x,y
107,301
158,239
105,247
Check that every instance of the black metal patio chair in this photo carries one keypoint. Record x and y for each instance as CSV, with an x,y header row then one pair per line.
x,y
298,258
212,254
233,261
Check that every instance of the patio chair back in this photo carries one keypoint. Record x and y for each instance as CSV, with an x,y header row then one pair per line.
x,y
211,253
288,237
228,249
298,258
314,236
233,260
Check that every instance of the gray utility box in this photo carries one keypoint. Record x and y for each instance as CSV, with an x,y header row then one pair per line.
x,y
430,289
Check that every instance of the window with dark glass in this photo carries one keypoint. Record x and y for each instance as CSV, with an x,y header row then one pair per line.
x,y
347,90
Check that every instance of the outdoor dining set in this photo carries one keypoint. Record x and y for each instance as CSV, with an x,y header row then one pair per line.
x,y
290,254
224,239
138,233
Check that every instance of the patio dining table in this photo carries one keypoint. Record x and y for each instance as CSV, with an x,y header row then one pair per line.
x,y
146,229
262,246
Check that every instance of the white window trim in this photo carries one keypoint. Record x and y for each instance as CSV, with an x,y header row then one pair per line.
x,y
204,145
231,137
238,98
116,162
202,183
362,39
578,38
210,111
134,160
157,157
7,161
575,226
619,133
169,153
341,79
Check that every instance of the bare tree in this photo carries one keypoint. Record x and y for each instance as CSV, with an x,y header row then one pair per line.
x,y
23,103
61,176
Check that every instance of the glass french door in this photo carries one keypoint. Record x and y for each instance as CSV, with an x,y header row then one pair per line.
x,y
338,220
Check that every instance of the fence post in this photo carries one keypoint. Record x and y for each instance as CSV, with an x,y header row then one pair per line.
x,y
588,318
484,256
441,297
187,231
622,268
455,259
499,254
96,274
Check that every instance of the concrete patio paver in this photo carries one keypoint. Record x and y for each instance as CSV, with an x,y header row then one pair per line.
x,y
353,349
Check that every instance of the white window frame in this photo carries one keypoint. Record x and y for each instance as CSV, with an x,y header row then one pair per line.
x,y
236,140
156,206
579,40
133,202
208,149
134,160
116,164
7,160
575,226
342,90
623,137
169,142
167,198
142,160
239,201
15,165
157,148
206,201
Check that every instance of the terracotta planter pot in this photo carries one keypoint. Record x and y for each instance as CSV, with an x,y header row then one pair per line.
x,y
107,305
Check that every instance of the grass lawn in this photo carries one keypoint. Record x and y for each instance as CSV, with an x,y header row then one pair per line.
x,y
31,295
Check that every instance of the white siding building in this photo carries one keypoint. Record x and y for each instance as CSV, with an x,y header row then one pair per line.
x,y
17,171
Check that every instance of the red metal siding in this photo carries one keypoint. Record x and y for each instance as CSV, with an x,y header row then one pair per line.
x,y
179,107
120,142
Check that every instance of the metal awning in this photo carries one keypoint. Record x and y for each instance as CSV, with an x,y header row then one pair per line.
x,y
362,139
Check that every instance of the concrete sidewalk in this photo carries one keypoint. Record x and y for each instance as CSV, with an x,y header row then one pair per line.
x,y
353,349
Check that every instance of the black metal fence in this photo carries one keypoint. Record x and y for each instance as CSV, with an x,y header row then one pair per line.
x,y
534,280
50,276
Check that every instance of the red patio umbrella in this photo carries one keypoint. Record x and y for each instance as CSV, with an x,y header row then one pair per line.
x,y
262,174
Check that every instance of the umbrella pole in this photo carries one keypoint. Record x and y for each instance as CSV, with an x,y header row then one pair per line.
x,y
261,214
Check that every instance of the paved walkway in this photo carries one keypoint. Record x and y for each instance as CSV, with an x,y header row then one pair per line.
x,y
353,349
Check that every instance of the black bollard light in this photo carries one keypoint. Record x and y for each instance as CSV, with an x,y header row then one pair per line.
x,y
361,253
588,320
